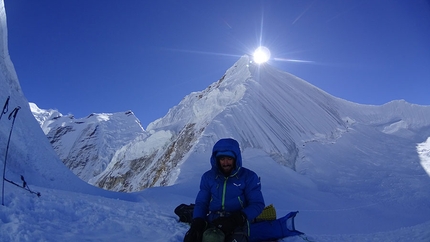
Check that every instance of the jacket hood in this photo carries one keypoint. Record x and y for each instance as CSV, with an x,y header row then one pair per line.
x,y
223,145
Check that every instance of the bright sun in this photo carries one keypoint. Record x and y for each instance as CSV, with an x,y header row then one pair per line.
x,y
261,54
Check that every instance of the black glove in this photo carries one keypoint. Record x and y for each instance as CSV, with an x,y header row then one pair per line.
x,y
195,233
229,224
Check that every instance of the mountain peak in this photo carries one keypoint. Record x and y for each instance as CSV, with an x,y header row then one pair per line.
x,y
265,109
201,107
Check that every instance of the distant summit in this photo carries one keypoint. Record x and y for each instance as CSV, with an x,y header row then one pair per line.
x,y
265,109
87,145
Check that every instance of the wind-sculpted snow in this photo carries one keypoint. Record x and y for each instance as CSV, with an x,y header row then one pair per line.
x,y
202,107
275,113
354,172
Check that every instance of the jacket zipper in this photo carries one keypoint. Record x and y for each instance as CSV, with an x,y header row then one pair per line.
x,y
223,194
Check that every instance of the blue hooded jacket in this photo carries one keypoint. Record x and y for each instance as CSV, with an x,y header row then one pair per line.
x,y
240,191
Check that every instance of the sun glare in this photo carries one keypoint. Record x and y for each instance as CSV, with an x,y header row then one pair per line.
x,y
261,54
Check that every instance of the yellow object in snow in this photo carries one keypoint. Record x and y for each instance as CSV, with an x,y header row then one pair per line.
x,y
269,213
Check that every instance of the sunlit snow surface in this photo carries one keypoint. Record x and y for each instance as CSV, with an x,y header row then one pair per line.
x,y
423,150
365,180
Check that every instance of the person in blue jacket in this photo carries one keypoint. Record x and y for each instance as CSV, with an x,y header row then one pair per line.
x,y
229,197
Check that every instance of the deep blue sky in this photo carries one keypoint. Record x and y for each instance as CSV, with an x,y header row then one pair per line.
x,y
86,56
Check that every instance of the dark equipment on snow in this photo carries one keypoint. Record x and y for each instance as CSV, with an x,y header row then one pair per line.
x,y
24,185
185,212
12,116
268,228
5,107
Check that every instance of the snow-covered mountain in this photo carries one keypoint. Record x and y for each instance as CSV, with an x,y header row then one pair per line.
x,y
87,145
355,172
264,108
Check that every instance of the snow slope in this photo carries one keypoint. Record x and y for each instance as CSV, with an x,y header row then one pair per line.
x,y
363,179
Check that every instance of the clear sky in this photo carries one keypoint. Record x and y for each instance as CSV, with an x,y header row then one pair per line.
x,y
86,56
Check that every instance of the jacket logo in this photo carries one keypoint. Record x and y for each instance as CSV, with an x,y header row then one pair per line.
x,y
238,185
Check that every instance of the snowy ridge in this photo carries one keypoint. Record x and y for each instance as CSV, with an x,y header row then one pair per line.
x,y
355,172
202,107
87,145
44,117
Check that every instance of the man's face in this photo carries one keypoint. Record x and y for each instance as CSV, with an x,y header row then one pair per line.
x,y
227,164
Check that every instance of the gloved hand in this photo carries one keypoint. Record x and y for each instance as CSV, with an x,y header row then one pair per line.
x,y
229,224
195,233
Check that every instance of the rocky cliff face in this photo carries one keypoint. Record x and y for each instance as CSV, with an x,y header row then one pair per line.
x,y
150,169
